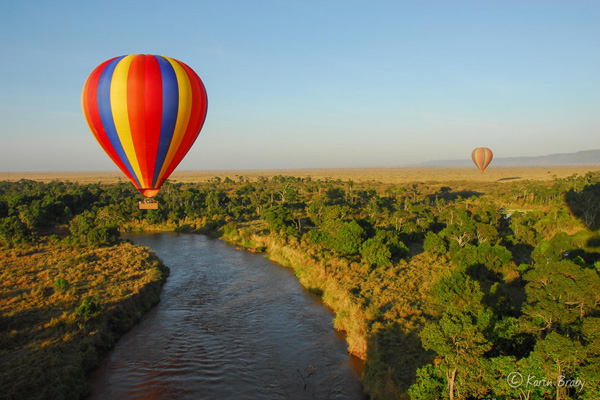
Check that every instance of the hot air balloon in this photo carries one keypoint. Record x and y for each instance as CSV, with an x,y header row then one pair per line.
x,y
145,111
482,156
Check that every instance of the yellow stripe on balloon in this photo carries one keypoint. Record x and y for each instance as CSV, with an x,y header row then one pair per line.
x,y
183,114
118,101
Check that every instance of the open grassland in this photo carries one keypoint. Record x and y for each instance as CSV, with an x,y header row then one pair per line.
x,y
389,175
61,306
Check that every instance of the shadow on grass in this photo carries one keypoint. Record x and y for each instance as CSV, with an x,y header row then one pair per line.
x,y
593,242
26,323
522,253
393,360
446,193
585,205
44,363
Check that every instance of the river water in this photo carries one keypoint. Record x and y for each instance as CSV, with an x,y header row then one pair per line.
x,y
230,325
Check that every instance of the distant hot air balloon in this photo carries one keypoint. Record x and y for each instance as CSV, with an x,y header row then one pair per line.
x,y
482,156
146,112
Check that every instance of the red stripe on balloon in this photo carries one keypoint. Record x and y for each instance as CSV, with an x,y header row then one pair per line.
x,y
154,109
136,112
90,109
197,116
200,106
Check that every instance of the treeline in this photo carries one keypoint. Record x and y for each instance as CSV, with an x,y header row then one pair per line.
x,y
452,291
65,298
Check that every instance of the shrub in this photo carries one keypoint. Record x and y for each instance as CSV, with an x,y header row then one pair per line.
x,y
230,230
434,244
491,258
61,285
430,384
13,230
278,217
103,235
316,237
553,249
393,242
348,238
89,307
374,251
82,224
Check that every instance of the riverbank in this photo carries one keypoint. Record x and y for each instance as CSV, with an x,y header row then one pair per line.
x,y
63,306
314,274
230,325
380,313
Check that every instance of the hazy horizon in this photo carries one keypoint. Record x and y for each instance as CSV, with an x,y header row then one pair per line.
x,y
301,85
441,163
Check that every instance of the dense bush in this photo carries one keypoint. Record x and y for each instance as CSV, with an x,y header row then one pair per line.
x,y
434,244
375,251
13,230
103,235
89,307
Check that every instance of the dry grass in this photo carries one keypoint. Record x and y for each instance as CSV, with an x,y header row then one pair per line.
x,y
46,341
389,175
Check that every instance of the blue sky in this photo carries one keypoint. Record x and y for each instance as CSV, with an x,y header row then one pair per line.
x,y
312,84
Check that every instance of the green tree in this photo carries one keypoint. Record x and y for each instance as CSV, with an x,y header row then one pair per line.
x,y
434,244
430,384
553,249
456,290
278,217
458,339
391,239
82,224
89,307
559,294
486,233
374,251
589,371
347,238
103,235
559,358
13,230
522,230
485,261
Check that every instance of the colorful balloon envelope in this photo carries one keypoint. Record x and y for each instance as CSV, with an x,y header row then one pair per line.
x,y
145,111
482,156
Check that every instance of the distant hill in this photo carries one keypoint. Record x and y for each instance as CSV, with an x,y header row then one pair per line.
x,y
581,157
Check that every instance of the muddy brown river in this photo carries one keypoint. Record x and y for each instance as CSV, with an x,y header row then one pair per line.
x,y
230,325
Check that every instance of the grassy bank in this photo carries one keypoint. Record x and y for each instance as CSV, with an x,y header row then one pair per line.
x,y
62,306
381,312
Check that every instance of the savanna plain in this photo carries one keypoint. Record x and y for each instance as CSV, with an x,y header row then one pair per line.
x,y
449,283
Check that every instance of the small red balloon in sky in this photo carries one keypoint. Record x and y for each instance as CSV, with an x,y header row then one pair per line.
x,y
482,156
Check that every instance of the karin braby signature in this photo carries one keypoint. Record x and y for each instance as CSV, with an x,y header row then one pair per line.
x,y
516,379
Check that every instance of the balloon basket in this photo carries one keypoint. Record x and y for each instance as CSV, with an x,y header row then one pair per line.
x,y
148,204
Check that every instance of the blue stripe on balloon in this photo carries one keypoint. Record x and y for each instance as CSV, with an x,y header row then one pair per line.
x,y
170,90
105,111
